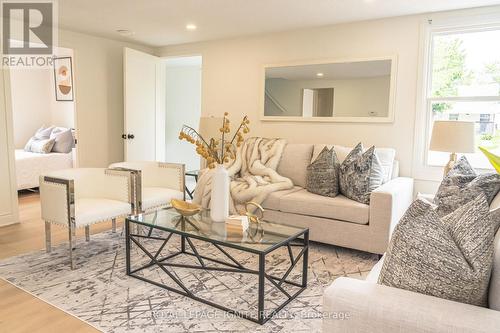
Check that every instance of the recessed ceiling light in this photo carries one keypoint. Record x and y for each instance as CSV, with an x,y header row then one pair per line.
x,y
320,74
191,27
125,32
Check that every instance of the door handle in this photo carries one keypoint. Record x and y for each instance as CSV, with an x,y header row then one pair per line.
x,y
130,136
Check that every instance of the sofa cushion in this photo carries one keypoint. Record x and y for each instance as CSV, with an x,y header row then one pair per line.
x,y
323,174
338,208
449,258
272,201
294,162
158,196
386,157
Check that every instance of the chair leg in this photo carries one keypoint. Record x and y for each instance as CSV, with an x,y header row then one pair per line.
x,y
87,233
72,241
48,246
113,225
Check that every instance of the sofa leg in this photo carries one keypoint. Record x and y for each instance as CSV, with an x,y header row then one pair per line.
x,y
87,233
113,225
48,245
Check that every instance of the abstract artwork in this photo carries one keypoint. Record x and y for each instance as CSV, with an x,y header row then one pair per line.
x,y
63,78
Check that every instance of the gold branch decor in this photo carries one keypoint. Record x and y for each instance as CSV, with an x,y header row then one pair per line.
x,y
217,151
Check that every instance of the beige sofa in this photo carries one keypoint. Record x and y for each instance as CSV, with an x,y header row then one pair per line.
x,y
366,306
340,221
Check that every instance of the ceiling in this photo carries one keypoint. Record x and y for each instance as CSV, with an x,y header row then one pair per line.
x,y
334,71
163,22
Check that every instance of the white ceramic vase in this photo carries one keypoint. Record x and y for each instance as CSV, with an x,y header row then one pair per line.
x,y
219,202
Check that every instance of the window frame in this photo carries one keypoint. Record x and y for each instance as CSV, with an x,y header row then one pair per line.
x,y
429,28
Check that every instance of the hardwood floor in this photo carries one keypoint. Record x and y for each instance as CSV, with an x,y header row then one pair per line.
x,y
20,311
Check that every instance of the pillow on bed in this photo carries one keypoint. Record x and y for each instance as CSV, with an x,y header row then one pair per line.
x,y
39,143
43,133
63,140
43,146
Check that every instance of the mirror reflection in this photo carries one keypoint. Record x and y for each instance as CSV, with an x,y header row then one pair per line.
x,y
349,89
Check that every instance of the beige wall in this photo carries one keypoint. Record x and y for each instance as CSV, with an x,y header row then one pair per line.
x,y
232,75
98,73
34,102
31,95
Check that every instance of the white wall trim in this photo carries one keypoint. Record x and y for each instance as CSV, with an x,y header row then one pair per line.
x,y
12,216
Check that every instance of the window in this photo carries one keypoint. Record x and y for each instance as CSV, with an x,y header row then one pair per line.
x,y
464,84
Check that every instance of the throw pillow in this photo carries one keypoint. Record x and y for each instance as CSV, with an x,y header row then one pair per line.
x,y
448,257
63,140
323,174
43,133
43,146
360,174
462,184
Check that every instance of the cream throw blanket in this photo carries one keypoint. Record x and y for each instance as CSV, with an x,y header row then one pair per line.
x,y
253,175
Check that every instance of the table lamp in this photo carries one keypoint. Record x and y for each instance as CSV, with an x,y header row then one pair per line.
x,y
452,137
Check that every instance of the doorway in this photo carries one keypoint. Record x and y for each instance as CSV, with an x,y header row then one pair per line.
x,y
44,119
161,95
182,106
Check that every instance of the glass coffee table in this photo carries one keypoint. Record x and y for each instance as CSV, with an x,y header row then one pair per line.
x,y
165,226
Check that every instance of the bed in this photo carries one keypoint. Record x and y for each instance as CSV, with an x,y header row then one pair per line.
x,y
29,166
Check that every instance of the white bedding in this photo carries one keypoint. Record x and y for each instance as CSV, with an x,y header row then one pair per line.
x,y
29,166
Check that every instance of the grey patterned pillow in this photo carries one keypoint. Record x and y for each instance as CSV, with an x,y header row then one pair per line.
x,y
462,184
323,174
360,174
449,258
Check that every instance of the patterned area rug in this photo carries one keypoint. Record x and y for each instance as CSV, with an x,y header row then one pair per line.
x,y
101,294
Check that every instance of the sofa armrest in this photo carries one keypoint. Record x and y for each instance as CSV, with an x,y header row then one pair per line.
x,y
389,202
370,307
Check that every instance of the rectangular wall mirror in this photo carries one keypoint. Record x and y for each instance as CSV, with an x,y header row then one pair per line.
x,y
347,91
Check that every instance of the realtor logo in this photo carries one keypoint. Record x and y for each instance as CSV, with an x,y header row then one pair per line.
x,y
28,28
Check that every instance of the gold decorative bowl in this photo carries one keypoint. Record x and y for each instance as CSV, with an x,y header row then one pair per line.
x,y
185,208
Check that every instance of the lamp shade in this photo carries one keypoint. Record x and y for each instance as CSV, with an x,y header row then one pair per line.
x,y
453,136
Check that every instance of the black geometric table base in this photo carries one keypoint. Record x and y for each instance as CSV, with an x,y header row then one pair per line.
x,y
230,265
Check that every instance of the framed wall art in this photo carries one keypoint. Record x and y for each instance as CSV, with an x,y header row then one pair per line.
x,y
63,78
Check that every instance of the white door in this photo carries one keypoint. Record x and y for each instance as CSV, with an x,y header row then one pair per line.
x,y
8,195
141,74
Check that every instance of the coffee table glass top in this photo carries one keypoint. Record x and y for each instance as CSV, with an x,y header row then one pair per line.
x,y
258,237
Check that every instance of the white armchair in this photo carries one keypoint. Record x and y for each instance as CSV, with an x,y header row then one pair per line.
x,y
80,197
156,183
